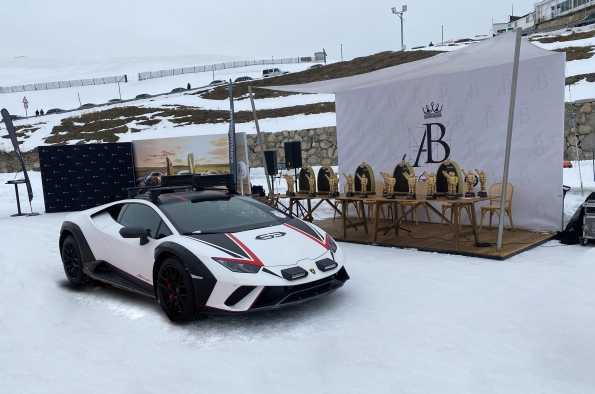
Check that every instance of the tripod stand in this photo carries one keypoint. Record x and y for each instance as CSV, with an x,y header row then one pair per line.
x,y
300,211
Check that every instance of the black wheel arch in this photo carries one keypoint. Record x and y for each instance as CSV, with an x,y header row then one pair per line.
x,y
70,228
204,286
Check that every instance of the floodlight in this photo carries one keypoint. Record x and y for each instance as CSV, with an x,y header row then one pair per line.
x,y
404,8
394,10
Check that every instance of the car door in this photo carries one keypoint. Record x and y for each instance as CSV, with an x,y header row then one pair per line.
x,y
133,260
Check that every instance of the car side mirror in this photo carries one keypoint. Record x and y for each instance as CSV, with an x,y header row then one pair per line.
x,y
135,232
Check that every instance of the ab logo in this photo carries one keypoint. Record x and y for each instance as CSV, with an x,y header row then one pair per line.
x,y
443,93
488,118
459,123
537,149
348,109
471,151
380,128
360,130
415,99
368,107
539,209
392,103
505,86
540,80
403,127
472,92
522,114
427,139
523,178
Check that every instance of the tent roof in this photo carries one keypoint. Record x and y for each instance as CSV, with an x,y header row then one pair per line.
x,y
495,51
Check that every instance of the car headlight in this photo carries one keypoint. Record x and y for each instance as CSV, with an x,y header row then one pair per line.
x,y
238,267
331,244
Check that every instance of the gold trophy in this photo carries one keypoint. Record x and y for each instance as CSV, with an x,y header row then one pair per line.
x,y
482,182
411,180
349,185
333,182
312,183
453,182
290,183
431,177
470,180
389,186
364,183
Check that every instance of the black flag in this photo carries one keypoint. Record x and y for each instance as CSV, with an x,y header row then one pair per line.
x,y
13,138
233,165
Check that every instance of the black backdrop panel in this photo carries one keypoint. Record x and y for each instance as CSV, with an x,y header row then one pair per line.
x,y
77,177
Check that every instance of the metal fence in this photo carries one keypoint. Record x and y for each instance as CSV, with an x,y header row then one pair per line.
x,y
63,84
219,66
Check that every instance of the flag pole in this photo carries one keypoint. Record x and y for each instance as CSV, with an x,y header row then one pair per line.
x,y
260,143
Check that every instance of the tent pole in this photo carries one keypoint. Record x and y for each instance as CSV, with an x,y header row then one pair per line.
x,y
260,143
513,88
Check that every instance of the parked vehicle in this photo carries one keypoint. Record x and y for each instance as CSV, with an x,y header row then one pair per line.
x,y
273,72
217,82
460,40
54,111
154,179
315,66
88,105
243,79
114,101
567,164
178,90
208,250
143,96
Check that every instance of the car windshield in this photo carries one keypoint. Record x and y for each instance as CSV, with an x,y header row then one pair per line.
x,y
222,215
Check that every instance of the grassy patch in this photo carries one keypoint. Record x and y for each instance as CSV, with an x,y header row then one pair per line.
x,y
576,78
577,53
360,65
569,37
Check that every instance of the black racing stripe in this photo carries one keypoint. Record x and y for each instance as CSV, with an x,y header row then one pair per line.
x,y
223,243
297,223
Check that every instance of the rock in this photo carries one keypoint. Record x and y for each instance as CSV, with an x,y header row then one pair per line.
x,y
314,160
271,137
588,142
304,145
325,144
315,144
311,132
257,149
250,141
330,152
322,137
285,133
321,130
312,151
586,108
332,137
325,162
584,129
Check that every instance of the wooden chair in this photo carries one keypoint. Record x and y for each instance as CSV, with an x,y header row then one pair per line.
x,y
446,206
496,193
337,203
421,190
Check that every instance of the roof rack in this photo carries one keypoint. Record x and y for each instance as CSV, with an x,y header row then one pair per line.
x,y
172,183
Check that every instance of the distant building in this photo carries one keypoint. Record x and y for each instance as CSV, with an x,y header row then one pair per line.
x,y
552,9
526,21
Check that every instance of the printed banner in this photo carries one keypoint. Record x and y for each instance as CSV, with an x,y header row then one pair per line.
x,y
15,144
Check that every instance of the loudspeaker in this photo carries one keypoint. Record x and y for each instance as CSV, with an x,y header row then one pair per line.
x,y
293,154
270,156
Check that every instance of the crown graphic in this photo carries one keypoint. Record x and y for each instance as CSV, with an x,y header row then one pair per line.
x,y
540,69
524,103
432,112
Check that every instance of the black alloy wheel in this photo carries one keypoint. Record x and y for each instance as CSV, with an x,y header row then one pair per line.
x,y
73,264
175,290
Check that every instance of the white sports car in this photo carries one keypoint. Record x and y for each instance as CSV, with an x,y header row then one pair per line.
x,y
205,250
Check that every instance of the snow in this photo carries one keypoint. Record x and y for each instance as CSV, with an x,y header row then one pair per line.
x,y
406,322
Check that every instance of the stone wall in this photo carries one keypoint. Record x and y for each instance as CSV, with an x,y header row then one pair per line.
x,y
583,134
9,162
319,146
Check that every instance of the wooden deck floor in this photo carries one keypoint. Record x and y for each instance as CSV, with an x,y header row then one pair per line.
x,y
430,237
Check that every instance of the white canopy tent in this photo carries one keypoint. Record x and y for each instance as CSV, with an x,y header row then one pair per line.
x,y
456,105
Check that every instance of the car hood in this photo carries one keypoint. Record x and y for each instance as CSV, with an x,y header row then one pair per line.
x,y
281,245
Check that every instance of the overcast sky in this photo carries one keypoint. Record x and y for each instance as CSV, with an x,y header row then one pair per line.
x,y
250,29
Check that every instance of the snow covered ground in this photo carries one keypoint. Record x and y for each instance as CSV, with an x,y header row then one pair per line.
x,y
406,322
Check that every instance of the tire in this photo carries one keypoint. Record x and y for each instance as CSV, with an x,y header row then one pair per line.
x,y
584,241
73,264
175,290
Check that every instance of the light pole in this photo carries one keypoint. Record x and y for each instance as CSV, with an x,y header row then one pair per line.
x,y
400,15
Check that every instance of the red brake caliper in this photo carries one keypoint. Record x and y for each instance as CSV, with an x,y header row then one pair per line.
x,y
171,294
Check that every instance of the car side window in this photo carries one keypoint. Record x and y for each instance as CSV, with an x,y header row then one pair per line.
x,y
141,215
163,231
115,210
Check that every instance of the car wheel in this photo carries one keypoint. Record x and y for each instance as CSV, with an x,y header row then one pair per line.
x,y
175,290
73,264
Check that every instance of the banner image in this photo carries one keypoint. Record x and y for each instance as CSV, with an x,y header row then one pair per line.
x,y
202,154
10,128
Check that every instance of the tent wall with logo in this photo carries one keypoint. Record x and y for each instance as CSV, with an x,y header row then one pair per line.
x,y
456,105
